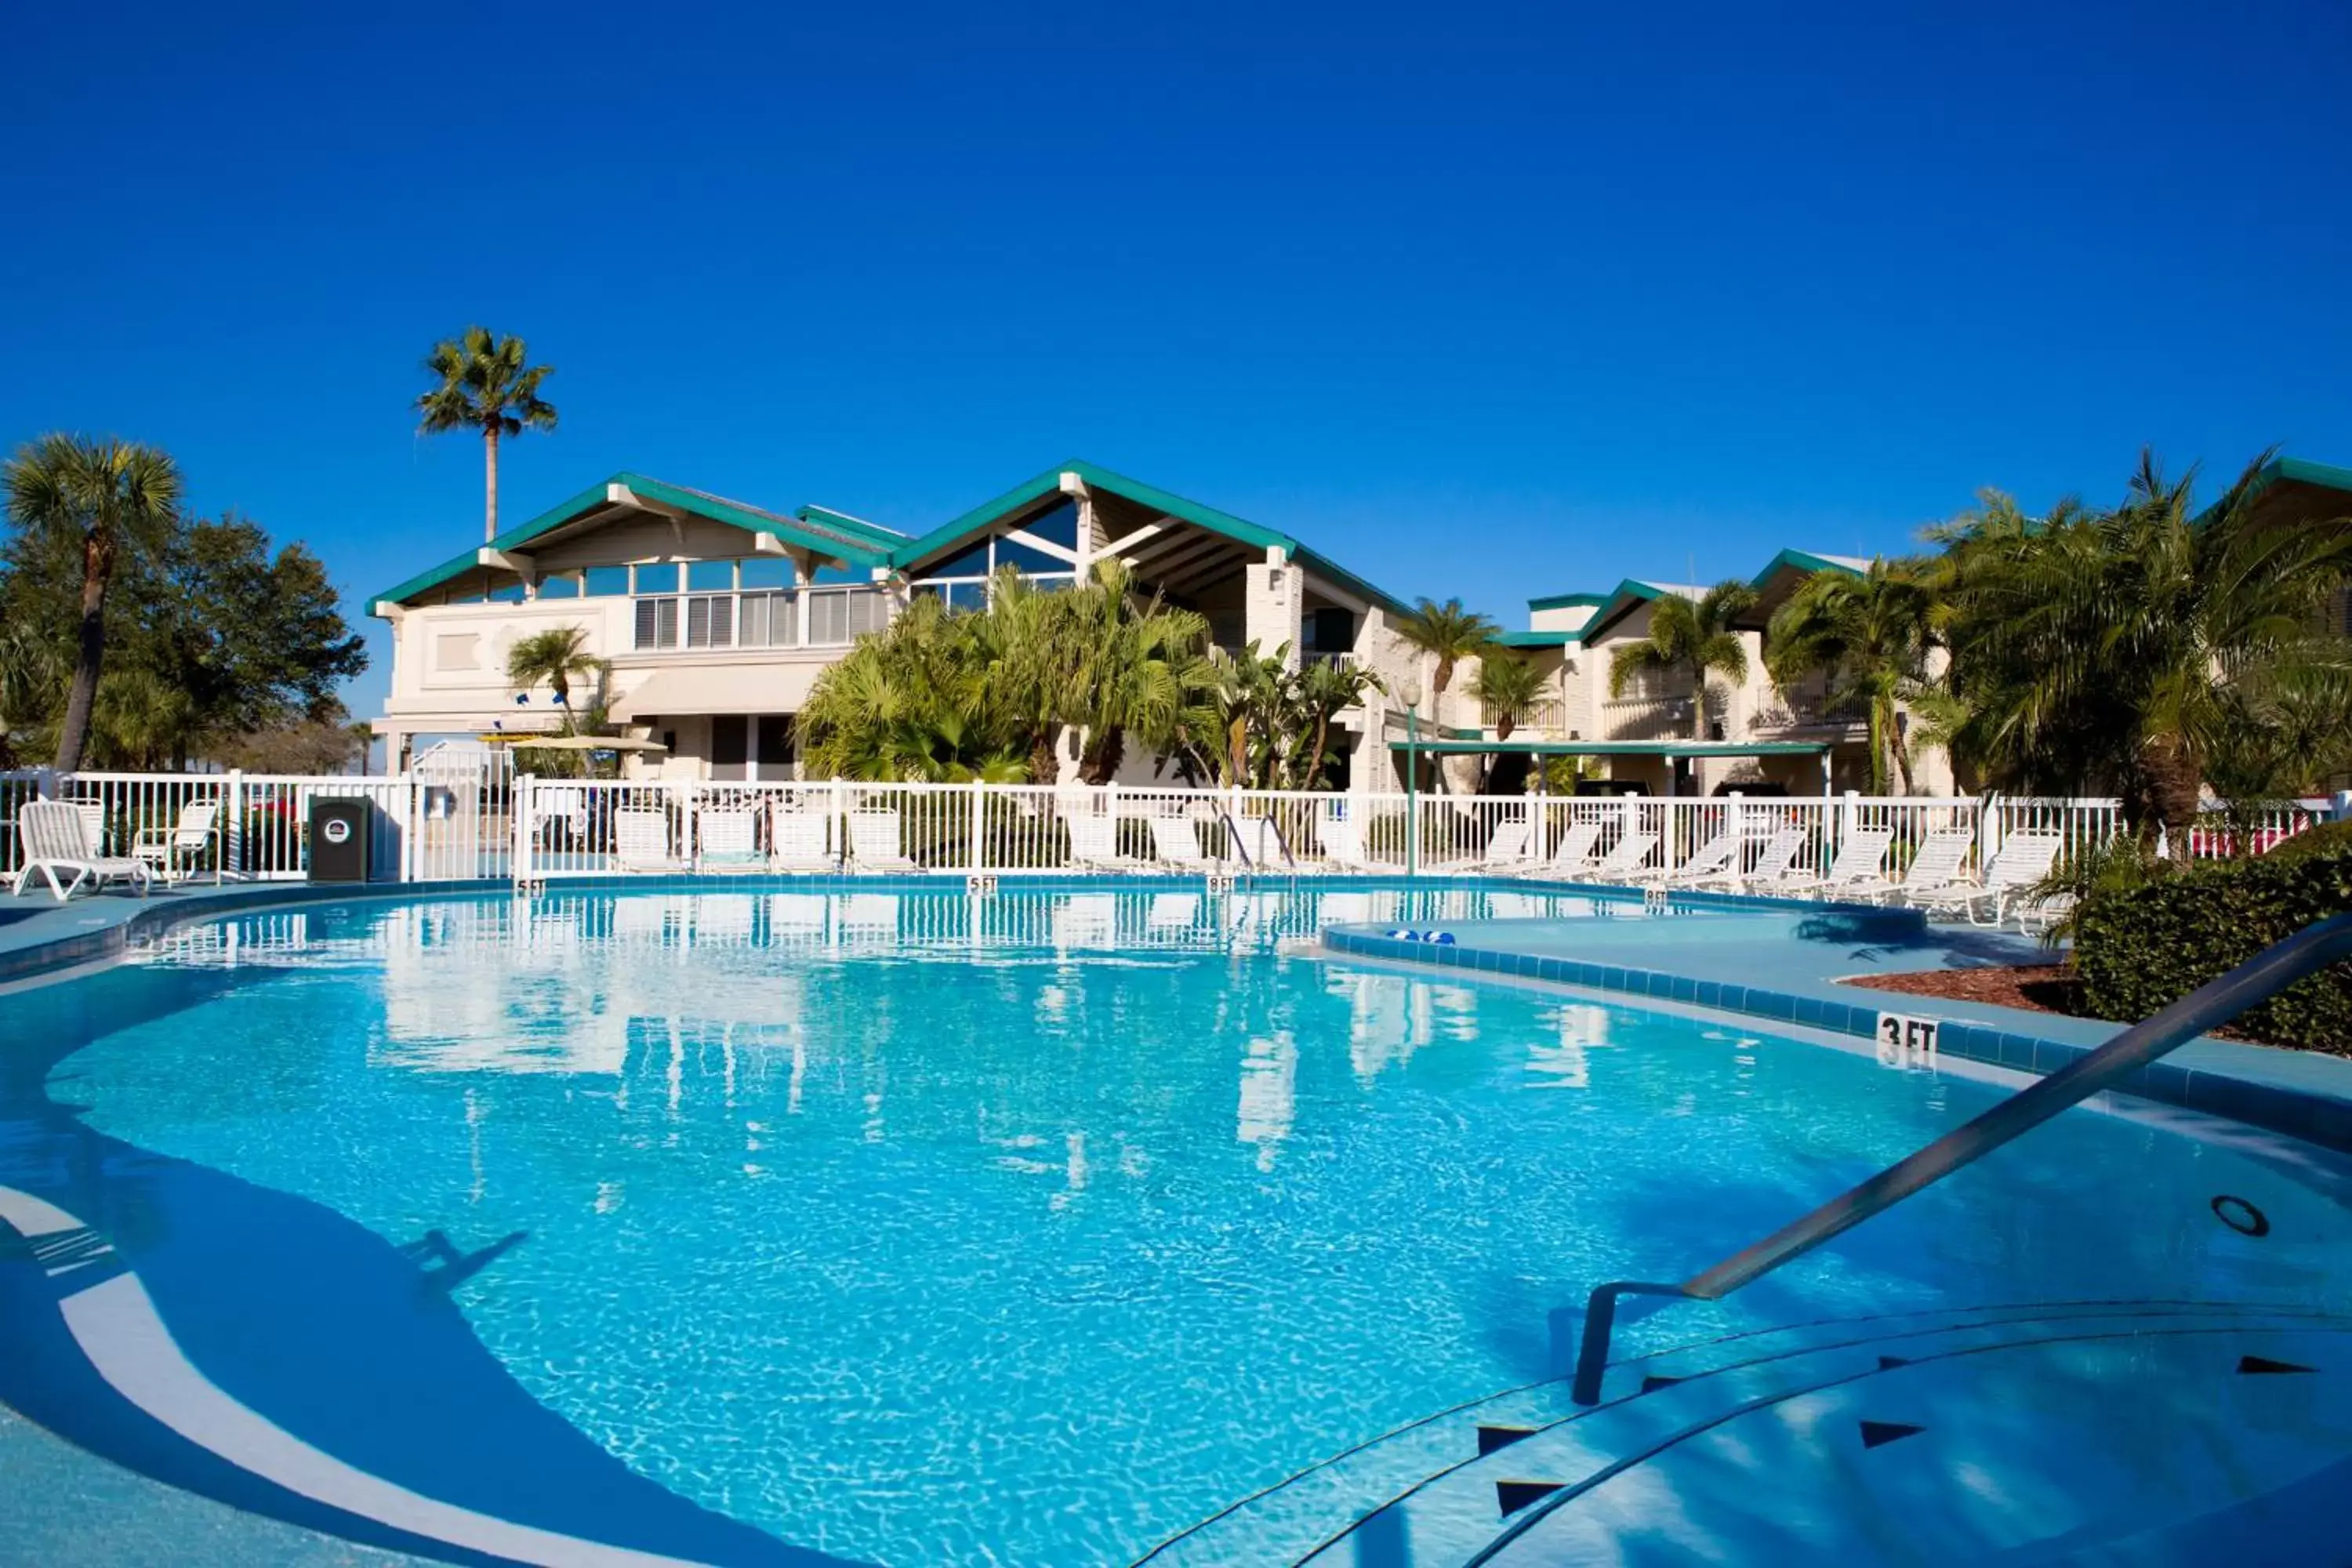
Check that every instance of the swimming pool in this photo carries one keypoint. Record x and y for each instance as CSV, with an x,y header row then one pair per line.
x,y
907,1228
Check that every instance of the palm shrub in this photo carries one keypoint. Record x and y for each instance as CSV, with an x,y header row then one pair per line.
x,y
1447,633
2123,651
1691,638
1869,637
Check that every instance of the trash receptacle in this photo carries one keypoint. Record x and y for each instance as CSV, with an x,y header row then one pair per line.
x,y
338,839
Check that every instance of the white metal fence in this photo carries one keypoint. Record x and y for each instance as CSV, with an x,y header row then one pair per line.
x,y
463,820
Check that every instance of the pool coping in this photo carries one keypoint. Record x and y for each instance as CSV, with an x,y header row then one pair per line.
x,y
2243,1086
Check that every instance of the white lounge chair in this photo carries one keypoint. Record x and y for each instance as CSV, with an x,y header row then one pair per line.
x,y
1773,863
1853,870
728,841
1711,862
641,841
797,840
171,853
2023,859
1094,846
1624,860
54,841
554,803
874,842
1572,858
1341,840
1507,847
1935,866
1173,843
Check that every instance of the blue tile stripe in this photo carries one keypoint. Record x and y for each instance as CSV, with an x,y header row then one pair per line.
x,y
2315,1118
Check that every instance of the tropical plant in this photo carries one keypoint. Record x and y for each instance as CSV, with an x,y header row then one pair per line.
x,y
2123,650
1691,638
485,382
1138,664
1448,632
1506,685
96,499
911,702
555,657
1869,635
1320,692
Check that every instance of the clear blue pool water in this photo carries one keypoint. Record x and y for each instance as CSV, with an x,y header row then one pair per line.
x,y
1033,1230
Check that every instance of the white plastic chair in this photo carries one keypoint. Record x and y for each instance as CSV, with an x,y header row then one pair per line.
x,y
1173,843
797,840
1507,847
1341,840
1773,863
1854,869
2023,859
1624,860
1572,858
1937,866
1094,845
172,852
1712,861
874,842
55,839
641,841
728,841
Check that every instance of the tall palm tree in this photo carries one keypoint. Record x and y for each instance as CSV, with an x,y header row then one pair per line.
x,y
556,657
485,382
2119,650
1448,632
1693,637
101,496
1869,635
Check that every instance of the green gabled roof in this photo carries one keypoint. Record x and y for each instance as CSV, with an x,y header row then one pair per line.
x,y
1565,601
865,545
1619,602
842,522
1539,640
1807,561
960,528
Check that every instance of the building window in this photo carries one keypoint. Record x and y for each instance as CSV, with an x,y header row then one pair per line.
x,y
711,621
508,593
606,582
709,576
836,615
765,620
657,577
657,623
563,585
764,572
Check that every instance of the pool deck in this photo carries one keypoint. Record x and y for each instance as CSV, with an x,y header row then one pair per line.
x,y
1769,959
1782,963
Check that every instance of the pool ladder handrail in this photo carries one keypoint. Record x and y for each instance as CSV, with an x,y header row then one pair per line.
x,y
1282,841
2209,1006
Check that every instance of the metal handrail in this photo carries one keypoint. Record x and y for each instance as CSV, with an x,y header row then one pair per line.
x,y
2209,1006
1234,836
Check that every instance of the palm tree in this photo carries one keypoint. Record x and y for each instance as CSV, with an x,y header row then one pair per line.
x,y
1449,632
2118,650
1692,636
1138,663
486,384
101,496
1870,636
1506,685
1323,689
555,657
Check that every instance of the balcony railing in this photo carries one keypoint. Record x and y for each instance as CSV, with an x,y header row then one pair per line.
x,y
1646,719
1549,717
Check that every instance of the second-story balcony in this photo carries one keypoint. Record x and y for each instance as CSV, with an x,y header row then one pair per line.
x,y
1548,717
1802,709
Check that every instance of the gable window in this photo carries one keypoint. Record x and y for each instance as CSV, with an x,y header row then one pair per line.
x,y
657,623
711,621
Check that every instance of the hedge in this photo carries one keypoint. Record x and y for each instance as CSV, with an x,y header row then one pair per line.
x,y
2141,949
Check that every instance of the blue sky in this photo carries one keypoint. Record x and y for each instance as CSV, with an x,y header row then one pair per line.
x,y
1481,301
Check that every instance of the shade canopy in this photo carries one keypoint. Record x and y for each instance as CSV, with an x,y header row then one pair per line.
x,y
1613,748
577,742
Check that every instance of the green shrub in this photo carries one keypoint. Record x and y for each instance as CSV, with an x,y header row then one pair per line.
x,y
2139,948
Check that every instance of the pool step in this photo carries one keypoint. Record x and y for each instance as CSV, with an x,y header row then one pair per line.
x,y
1979,1440
1343,1499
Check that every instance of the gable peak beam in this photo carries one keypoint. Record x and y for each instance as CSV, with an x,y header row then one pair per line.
x,y
521,562
1075,486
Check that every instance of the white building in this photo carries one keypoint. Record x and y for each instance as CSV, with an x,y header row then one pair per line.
x,y
715,617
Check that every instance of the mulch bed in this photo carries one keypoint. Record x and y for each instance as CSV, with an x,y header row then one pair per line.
x,y
2036,987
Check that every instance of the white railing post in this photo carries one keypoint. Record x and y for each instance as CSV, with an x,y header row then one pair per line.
x,y
520,807
973,857
232,807
837,827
